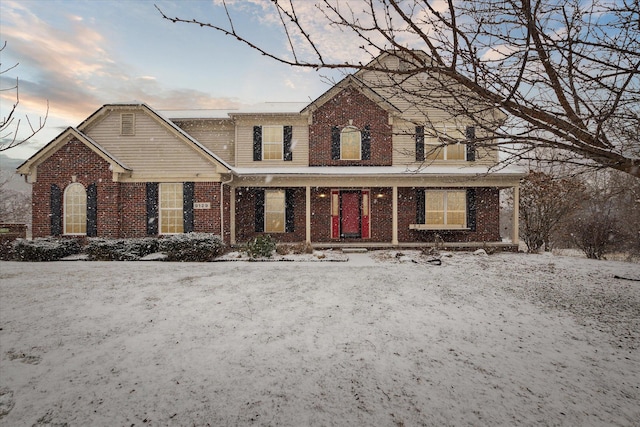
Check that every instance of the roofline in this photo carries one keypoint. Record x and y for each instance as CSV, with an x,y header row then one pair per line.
x,y
80,136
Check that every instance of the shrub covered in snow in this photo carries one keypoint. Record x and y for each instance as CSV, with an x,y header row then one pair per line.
x,y
100,249
44,249
191,247
261,246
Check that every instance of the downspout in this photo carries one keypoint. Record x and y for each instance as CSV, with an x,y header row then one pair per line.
x,y
222,207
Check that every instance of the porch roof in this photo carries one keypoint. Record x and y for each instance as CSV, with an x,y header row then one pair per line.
x,y
382,171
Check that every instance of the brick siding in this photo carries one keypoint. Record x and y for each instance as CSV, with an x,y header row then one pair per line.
x,y
487,219
347,105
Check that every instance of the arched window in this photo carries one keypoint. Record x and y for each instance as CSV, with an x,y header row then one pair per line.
x,y
75,209
350,139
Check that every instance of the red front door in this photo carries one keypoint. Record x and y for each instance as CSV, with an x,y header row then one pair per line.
x,y
350,214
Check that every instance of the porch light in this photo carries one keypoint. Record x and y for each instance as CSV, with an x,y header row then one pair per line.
x,y
379,196
322,195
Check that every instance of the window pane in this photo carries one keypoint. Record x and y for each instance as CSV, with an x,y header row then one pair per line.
x,y
350,144
434,203
75,209
274,211
434,152
456,152
446,208
272,142
171,206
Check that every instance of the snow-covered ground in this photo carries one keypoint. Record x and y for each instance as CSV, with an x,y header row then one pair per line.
x,y
382,339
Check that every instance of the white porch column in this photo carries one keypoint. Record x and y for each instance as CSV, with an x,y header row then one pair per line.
x,y
232,215
308,215
394,216
516,215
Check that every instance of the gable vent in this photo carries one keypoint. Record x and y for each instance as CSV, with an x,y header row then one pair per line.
x,y
127,124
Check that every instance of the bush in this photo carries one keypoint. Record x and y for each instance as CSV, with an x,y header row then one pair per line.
x,y
595,233
100,249
44,249
191,247
261,246
294,248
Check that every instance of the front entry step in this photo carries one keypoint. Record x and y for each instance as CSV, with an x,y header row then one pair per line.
x,y
354,250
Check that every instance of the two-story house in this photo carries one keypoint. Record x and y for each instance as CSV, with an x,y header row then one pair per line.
x,y
357,166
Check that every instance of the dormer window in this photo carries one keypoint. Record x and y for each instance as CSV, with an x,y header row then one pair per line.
x,y
127,124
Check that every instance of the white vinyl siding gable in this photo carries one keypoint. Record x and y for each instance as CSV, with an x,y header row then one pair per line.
x,y
153,150
299,142
217,135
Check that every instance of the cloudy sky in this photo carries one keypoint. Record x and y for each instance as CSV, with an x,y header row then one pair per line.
x,y
80,54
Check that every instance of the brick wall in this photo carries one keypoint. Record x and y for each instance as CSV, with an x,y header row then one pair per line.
x,y
75,159
347,105
207,220
487,219
246,216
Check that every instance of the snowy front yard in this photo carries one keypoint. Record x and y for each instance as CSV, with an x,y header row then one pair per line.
x,y
378,340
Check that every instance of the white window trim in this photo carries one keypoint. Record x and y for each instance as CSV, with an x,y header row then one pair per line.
x,y
351,129
161,209
64,209
281,127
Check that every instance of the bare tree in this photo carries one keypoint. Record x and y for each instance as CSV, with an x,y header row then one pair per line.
x,y
565,72
10,135
545,202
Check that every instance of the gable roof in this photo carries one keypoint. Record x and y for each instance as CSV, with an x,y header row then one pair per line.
x,y
353,82
163,121
45,152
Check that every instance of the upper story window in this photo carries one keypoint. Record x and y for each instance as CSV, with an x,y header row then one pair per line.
x,y
75,209
272,140
452,145
350,143
127,124
272,143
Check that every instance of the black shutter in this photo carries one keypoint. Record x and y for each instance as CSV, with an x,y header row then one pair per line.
x,y
152,208
420,143
365,144
289,210
420,206
259,195
287,138
335,143
56,210
471,209
187,206
92,210
257,143
470,133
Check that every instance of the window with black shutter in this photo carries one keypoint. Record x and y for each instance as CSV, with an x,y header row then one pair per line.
x,y
470,133
188,189
92,210
56,210
420,143
152,208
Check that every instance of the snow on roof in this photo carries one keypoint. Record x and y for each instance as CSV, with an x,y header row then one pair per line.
x,y
264,108
382,170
